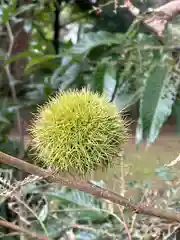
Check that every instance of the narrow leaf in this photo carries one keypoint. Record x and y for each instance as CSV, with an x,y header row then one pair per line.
x,y
92,40
110,80
126,99
40,60
97,83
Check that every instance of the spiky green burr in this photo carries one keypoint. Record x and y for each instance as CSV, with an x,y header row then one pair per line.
x,y
79,132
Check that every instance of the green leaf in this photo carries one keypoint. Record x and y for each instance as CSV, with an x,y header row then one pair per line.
x,y
97,83
110,80
92,40
25,8
76,197
85,235
69,76
157,100
6,14
4,119
44,212
21,56
40,60
104,78
125,99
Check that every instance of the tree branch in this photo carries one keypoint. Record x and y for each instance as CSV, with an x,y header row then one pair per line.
x,y
157,21
88,187
23,230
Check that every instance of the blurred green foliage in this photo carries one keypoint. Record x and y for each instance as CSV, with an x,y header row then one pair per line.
x,y
108,54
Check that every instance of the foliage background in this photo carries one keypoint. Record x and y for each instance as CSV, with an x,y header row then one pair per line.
x,y
104,52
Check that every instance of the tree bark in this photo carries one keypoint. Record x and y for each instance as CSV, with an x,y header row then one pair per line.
x,y
21,43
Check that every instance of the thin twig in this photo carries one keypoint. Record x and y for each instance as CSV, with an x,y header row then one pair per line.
x,y
23,230
124,223
13,90
16,102
15,187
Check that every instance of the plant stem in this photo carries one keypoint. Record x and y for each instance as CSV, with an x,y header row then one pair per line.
x,y
23,230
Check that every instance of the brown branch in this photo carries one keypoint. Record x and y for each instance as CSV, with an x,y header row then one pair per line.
x,y
157,21
124,223
170,9
88,187
22,230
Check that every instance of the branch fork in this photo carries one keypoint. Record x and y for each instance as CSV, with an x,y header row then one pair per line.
x,y
157,21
